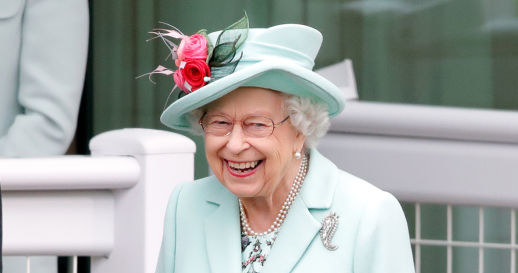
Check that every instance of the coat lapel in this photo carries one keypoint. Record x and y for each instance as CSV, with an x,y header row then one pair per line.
x,y
295,235
303,221
223,232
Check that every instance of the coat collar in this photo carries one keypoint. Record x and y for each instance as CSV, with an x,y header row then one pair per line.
x,y
223,230
319,185
222,227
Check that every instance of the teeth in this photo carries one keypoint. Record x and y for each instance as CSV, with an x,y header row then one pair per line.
x,y
243,165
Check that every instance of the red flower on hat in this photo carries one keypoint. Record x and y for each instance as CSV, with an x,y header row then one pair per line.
x,y
193,71
192,75
191,56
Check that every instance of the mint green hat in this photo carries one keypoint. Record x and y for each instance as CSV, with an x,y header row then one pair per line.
x,y
279,58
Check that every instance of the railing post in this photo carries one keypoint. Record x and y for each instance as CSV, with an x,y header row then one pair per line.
x,y
166,159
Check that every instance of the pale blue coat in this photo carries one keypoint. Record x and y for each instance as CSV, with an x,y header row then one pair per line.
x,y
202,228
43,50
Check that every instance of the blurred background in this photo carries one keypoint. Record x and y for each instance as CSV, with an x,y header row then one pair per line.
x,y
460,53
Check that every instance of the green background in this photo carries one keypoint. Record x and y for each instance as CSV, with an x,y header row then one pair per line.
x,y
457,53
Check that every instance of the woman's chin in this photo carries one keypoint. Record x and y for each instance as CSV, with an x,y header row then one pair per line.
x,y
242,187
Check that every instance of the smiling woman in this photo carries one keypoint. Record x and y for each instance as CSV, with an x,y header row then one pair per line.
x,y
274,203
272,154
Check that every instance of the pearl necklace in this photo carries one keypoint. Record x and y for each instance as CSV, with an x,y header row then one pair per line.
x,y
295,188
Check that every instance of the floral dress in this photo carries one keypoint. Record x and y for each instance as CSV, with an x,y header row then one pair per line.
x,y
254,251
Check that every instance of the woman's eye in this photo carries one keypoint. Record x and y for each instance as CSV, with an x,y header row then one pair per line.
x,y
259,125
220,122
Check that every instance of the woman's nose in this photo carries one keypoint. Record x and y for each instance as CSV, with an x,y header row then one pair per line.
x,y
237,140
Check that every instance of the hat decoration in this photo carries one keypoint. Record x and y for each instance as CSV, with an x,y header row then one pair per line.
x,y
198,61
209,66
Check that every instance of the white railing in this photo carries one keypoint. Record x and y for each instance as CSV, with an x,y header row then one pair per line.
x,y
440,155
109,206
429,154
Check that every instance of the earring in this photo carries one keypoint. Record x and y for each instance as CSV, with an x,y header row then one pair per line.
x,y
297,155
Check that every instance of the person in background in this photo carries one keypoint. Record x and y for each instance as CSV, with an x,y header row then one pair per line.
x,y
43,52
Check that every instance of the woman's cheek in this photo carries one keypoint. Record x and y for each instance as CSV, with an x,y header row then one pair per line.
x,y
212,154
273,166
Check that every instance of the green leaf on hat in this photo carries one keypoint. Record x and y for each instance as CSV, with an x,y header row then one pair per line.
x,y
225,54
222,61
219,72
210,47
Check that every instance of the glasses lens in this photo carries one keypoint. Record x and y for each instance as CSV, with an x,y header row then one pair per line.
x,y
217,125
258,126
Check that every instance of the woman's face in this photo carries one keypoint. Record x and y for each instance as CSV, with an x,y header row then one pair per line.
x,y
232,157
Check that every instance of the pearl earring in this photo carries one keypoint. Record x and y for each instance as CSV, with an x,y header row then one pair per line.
x,y
297,155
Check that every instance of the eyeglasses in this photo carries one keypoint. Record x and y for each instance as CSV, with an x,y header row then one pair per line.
x,y
253,126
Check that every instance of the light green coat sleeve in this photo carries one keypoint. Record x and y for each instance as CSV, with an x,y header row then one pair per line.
x,y
383,244
42,81
166,259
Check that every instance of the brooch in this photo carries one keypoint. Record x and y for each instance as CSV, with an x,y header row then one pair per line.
x,y
329,225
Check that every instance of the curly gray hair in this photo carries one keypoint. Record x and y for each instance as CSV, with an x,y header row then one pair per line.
x,y
308,117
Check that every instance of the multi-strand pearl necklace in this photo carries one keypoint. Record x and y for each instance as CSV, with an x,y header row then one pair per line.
x,y
295,188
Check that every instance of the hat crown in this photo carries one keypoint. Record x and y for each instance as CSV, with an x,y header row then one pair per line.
x,y
289,42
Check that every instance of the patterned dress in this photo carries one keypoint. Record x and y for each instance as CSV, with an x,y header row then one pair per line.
x,y
255,250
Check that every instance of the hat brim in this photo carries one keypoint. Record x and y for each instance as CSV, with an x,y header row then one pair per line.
x,y
285,77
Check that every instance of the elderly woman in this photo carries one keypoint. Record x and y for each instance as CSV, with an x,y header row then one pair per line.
x,y
274,203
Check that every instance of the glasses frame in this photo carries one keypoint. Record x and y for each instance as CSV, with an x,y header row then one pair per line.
x,y
275,125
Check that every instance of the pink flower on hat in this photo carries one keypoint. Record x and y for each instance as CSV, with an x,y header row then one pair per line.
x,y
193,72
179,80
191,56
192,47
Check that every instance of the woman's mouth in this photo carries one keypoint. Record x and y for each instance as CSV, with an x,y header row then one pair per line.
x,y
242,169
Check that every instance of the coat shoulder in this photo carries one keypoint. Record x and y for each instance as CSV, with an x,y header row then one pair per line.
x,y
327,186
358,189
357,197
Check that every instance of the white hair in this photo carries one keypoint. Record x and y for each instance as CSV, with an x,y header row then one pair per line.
x,y
309,118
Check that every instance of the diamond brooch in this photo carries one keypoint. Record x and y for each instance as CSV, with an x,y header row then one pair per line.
x,y
329,225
